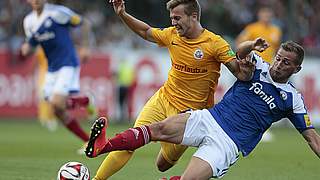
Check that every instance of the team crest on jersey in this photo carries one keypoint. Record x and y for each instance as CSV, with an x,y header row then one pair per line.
x,y
283,95
48,23
198,54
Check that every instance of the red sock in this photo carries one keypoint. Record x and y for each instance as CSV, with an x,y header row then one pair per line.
x,y
77,101
175,178
130,139
74,126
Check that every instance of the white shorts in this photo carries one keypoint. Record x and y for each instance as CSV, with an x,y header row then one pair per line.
x,y
62,82
214,145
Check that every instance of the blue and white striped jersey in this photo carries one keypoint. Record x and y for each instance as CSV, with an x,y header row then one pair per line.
x,y
249,108
51,30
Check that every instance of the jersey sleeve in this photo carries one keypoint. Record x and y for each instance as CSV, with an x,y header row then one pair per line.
x,y
299,117
260,63
222,51
66,16
245,34
27,26
162,36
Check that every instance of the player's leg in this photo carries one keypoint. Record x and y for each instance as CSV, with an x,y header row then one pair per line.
x,y
216,150
151,112
60,84
131,139
197,169
169,153
58,102
46,115
112,163
45,111
77,100
169,130
123,96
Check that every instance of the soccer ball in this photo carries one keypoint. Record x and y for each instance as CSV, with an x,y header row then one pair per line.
x,y
73,171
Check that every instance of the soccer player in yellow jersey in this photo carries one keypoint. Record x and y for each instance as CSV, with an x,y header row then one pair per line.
x,y
265,29
196,56
45,111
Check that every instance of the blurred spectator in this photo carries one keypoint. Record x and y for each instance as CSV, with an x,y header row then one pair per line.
x,y
265,29
125,77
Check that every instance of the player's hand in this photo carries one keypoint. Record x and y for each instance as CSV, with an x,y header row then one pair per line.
x,y
247,62
118,6
25,49
84,54
247,67
260,44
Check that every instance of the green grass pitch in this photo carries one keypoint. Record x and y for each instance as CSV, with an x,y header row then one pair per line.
x,y
30,152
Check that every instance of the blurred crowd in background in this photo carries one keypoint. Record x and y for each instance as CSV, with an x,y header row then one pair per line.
x,y
298,19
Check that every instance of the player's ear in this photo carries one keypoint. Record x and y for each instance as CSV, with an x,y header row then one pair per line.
x,y
297,69
194,16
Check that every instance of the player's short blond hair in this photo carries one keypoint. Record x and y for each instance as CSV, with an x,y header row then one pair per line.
x,y
291,46
191,6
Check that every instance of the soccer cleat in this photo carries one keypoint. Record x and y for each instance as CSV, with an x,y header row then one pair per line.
x,y
97,138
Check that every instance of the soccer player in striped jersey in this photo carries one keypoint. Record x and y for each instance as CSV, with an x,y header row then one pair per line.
x,y
233,126
196,56
48,25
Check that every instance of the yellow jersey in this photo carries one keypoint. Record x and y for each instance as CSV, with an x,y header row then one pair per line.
x,y
42,66
195,67
271,33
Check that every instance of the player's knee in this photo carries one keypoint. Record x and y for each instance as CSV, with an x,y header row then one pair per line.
x,y
58,110
163,165
57,107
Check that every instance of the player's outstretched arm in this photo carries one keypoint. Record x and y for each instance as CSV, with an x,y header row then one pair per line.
x,y
313,139
243,67
139,27
246,47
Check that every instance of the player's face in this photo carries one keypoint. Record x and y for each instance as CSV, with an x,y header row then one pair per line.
x,y
265,15
284,65
37,5
182,21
